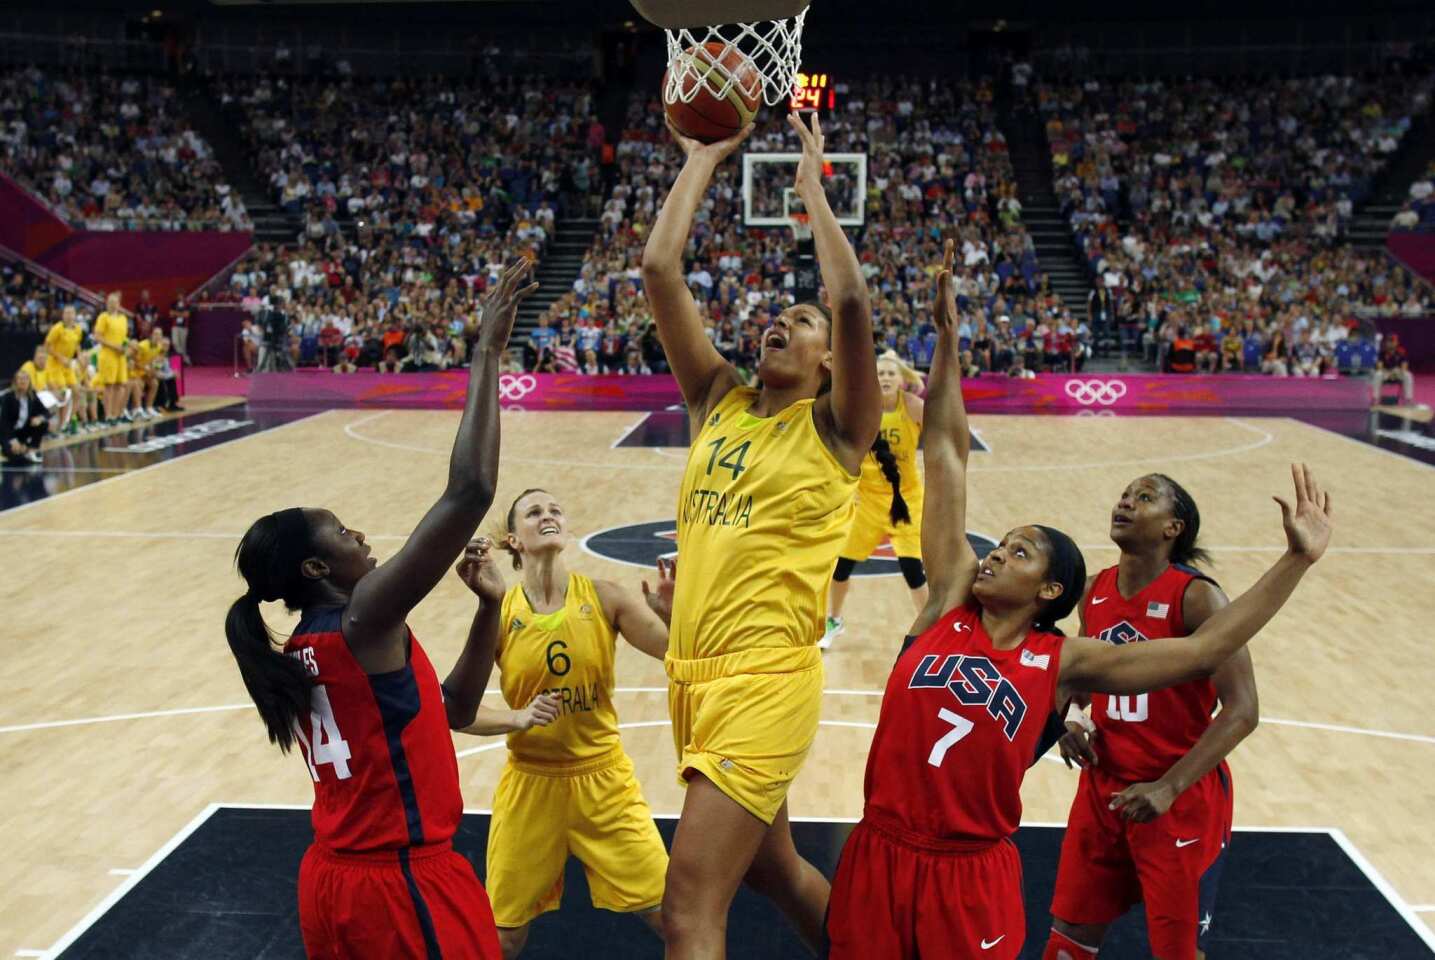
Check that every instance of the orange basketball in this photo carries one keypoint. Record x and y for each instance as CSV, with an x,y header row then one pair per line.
x,y
706,116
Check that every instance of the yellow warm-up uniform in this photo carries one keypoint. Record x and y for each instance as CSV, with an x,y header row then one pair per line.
x,y
61,345
873,520
145,356
39,379
568,787
763,510
114,366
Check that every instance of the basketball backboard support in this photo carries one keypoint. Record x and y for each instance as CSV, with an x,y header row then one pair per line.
x,y
679,14
768,199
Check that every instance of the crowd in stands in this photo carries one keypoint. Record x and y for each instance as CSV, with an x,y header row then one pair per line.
x,y
1418,212
1209,213
938,168
436,179
112,152
27,300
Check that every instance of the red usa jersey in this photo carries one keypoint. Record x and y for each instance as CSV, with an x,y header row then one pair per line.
x,y
959,727
378,746
1142,735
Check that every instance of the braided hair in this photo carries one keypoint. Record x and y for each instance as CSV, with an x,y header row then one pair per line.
x,y
887,460
269,558
1183,508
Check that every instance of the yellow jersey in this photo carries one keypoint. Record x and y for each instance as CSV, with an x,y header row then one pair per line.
x,y
112,326
570,652
63,342
902,434
762,513
145,355
38,378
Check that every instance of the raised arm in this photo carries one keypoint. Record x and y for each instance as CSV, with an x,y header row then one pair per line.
x,y
383,599
1091,665
946,443
463,687
856,398
702,374
639,619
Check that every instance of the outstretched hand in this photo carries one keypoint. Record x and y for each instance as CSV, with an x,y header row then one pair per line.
x,y
500,304
808,177
714,153
1308,523
660,597
945,309
479,572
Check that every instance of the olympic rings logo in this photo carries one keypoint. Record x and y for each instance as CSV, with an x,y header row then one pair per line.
x,y
1102,392
516,386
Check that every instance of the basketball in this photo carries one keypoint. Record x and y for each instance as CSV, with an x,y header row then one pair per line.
x,y
706,116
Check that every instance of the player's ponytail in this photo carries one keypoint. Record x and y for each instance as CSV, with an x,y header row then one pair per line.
x,y
887,460
268,558
1183,508
1066,566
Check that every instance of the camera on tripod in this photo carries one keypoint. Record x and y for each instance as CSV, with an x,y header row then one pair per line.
x,y
274,351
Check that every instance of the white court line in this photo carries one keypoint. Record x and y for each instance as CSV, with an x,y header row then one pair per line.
x,y
1407,912
203,535
1378,880
1423,908
81,721
831,691
1368,446
185,457
1266,438
629,429
351,431
130,882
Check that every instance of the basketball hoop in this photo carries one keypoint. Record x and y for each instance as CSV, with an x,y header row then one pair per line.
x,y
773,45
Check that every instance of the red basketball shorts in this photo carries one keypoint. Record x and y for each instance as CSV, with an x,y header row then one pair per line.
x,y
1173,863
898,896
417,902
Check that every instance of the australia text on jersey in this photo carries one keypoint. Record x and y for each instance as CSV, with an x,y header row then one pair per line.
x,y
975,682
718,508
582,698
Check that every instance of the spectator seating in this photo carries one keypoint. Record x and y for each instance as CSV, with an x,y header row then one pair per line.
x,y
112,152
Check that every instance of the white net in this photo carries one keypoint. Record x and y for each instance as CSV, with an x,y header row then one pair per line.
x,y
761,58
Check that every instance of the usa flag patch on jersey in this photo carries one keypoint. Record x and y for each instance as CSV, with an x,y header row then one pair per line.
x,y
1158,610
1029,659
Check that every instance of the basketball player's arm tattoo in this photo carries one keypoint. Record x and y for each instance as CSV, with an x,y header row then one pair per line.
x,y
634,619
702,374
463,687
1235,685
1092,665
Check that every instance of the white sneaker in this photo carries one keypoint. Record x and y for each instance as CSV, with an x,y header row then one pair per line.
x,y
835,626
152,412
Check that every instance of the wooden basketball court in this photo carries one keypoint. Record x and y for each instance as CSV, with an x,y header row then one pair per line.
x,y
122,714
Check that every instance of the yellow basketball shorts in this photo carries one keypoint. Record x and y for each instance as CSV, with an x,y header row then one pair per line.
x,y
596,812
872,521
746,721
114,369
60,374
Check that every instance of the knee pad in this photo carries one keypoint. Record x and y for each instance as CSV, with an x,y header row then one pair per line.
x,y
912,571
845,566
